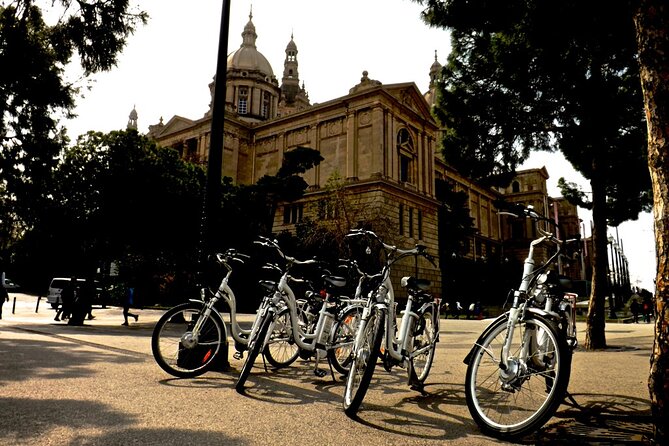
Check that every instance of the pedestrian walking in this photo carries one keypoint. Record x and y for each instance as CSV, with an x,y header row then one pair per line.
x,y
634,308
129,301
67,297
647,310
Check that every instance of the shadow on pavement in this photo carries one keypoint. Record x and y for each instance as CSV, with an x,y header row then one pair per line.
x,y
29,421
600,419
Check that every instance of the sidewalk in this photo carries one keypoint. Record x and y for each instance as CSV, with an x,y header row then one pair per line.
x,y
608,401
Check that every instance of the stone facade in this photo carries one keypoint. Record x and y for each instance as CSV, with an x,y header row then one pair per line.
x,y
380,141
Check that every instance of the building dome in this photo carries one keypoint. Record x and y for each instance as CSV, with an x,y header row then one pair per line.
x,y
247,57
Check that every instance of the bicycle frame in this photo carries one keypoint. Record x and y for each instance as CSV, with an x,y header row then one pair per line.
x,y
521,298
397,342
224,292
307,341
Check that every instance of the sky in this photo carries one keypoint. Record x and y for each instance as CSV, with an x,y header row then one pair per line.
x,y
168,64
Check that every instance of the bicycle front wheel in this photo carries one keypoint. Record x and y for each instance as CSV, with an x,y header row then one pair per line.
x,y
365,355
517,401
426,331
340,354
281,350
181,352
256,340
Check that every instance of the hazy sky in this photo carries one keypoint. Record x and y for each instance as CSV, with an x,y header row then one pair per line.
x,y
167,66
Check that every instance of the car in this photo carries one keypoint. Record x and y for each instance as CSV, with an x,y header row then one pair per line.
x,y
56,287
9,285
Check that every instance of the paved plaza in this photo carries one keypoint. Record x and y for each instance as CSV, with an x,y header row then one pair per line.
x,y
98,384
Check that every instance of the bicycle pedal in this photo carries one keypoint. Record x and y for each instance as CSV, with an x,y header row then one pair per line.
x,y
320,373
238,355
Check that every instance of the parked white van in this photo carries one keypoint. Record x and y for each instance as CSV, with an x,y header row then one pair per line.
x,y
56,287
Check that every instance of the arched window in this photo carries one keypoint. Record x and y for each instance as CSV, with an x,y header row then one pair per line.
x,y
406,154
515,187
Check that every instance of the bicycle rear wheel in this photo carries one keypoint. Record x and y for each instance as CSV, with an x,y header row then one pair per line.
x,y
425,336
365,355
340,354
178,350
256,340
517,401
281,350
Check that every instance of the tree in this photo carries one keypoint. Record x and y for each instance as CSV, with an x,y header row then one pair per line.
x,y
117,196
34,93
652,30
528,82
248,210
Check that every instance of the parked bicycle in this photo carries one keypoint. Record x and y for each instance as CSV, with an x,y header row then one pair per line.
x,y
188,338
518,370
326,336
411,345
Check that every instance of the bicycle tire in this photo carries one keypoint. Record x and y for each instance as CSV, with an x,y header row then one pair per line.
x,y
176,350
342,338
527,403
281,350
425,337
255,345
364,361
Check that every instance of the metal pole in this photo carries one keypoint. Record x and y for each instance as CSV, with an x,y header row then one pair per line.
x,y
215,161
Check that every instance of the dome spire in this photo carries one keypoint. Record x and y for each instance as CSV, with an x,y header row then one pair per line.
x,y
249,35
132,119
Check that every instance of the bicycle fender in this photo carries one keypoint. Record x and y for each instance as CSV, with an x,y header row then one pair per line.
x,y
483,334
530,311
343,311
435,314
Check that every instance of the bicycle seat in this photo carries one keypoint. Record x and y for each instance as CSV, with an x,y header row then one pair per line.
x,y
415,284
267,285
334,281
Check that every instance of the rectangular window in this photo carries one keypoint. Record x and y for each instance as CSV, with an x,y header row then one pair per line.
x,y
405,164
243,100
265,105
293,213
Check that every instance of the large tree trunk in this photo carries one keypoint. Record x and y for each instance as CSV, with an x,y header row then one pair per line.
x,y
652,26
595,336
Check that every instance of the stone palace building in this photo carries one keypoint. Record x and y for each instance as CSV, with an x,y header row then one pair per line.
x,y
380,143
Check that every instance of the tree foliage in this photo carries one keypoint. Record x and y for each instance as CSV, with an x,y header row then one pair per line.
x,y
524,80
35,92
117,197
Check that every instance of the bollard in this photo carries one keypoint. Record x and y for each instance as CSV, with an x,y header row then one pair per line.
x,y
14,305
37,306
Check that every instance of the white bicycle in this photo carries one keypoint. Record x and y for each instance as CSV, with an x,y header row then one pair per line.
x,y
519,368
411,345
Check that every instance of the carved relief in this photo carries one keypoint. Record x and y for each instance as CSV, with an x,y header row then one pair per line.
x,y
335,127
365,118
301,136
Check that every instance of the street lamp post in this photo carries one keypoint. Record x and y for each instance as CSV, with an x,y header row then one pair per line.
x,y
215,161
212,198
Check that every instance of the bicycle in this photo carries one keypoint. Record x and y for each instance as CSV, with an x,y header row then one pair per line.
x,y
312,335
519,368
187,339
411,345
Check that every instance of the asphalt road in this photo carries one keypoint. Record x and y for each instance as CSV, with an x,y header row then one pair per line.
x,y
99,385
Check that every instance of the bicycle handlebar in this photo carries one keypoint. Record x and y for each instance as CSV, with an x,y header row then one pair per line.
x,y
418,250
231,254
